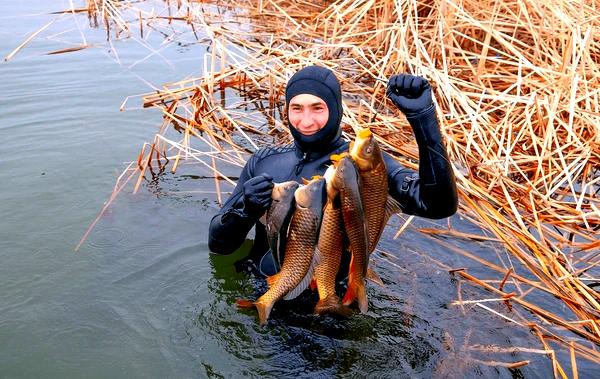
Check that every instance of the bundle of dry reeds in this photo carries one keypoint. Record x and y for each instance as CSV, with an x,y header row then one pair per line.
x,y
516,85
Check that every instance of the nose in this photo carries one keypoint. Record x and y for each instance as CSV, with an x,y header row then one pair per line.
x,y
306,119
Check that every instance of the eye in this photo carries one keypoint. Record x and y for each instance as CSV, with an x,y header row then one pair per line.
x,y
369,150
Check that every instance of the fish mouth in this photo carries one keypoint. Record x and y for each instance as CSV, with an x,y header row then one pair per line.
x,y
307,195
283,191
364,133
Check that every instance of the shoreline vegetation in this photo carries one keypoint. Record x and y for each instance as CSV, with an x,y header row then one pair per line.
x,y
516,84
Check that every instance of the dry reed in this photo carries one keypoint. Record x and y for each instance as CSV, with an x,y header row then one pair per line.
x,y
516,85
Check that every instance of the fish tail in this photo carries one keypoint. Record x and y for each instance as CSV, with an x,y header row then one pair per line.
x,y
361,295
356,291
332,305
264,309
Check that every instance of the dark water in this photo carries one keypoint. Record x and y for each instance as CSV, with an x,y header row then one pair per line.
x,y
143,297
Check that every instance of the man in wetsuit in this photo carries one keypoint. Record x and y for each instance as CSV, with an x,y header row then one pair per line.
x,y
314,108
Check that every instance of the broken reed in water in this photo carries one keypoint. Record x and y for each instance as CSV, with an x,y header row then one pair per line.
x,y
516,85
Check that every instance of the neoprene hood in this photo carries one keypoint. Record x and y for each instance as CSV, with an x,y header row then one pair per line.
x,y
320,82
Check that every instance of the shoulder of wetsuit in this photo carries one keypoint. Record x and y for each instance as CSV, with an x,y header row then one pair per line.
x,y
265,152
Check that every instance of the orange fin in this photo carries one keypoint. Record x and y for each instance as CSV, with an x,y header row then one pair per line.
x,y
313,285
244,303
374,277
357,291
364,133
350,294
271,280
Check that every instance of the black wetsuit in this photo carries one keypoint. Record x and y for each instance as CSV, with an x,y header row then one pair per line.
x,y
429,193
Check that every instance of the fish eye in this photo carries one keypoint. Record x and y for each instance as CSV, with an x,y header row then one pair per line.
x,y
369,150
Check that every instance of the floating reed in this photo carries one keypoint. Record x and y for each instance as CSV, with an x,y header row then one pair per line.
x,y
516,85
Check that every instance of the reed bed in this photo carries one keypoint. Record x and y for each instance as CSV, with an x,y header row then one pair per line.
x,y
516,84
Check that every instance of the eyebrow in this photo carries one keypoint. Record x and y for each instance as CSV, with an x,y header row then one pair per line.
x,y
311,104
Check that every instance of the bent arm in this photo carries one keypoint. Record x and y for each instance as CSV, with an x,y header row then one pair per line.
x,y
229,228
432,192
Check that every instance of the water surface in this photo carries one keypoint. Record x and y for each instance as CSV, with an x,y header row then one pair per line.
x,y
143,297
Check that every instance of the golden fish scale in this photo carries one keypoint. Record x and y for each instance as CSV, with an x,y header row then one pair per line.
x,y
330,244
375,193
298,255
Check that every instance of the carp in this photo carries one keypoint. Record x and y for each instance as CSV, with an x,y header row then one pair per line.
x,y
299,260
330,247
347,181
378,205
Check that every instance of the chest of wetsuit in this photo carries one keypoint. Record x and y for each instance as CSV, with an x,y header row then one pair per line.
x,y
429,193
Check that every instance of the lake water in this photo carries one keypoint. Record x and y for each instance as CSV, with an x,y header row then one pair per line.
x,y
143,298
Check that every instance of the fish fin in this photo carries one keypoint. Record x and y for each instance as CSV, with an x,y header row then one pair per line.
x,y
350,295
263,219
392,206
332,305
361,295
364,133
357,291
374,277
244,303
313,284
316,259
264,310
271,280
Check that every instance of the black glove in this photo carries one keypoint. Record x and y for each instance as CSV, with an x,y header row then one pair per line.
x,y
257,194
411,94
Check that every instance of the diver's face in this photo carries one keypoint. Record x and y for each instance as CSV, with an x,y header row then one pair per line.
x,y
307,113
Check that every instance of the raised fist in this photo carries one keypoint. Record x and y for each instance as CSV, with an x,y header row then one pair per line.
x,y
411,94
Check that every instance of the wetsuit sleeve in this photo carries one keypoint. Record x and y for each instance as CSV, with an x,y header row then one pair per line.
x,y
432,192
229,228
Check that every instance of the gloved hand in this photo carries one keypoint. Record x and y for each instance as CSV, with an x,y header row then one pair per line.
x,y
257,194
411,94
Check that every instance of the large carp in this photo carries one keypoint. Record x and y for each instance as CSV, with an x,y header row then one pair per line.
x,y
298,266
378,205
330,247
347,181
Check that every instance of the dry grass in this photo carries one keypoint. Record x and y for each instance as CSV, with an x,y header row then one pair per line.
x,y
516,85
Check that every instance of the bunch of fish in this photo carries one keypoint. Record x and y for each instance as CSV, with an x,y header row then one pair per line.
x,y
313,224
